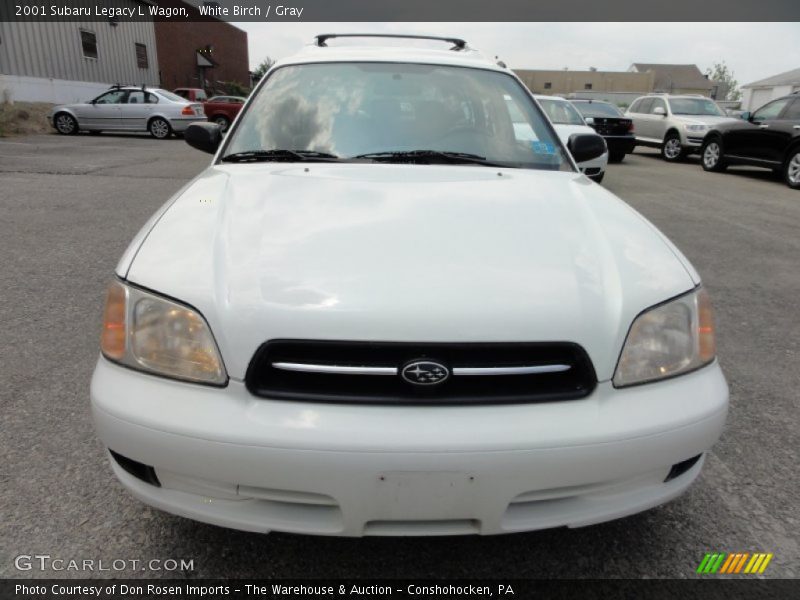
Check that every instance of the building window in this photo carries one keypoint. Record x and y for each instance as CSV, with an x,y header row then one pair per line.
x,y
141,56
587,86
548,85
89,44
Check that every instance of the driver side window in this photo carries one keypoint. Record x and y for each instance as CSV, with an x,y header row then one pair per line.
x,y
770,111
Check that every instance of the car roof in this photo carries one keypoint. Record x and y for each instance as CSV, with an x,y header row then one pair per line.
x,y
468,57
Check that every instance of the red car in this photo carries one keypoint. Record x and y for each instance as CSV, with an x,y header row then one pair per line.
x,y
191,94
222,110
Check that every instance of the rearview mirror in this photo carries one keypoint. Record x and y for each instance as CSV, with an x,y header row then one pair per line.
x,y
659,110
586,146
203,136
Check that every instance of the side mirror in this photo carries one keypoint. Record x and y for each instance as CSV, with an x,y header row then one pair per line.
x,y
203,136
586,146
659,110
747,115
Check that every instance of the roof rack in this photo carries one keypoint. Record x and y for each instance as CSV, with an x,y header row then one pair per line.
x,y
119,86
458,44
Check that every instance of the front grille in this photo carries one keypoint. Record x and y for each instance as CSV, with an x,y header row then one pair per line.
x,y
373,372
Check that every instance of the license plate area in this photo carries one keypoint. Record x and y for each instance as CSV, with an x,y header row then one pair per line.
x,y
410,495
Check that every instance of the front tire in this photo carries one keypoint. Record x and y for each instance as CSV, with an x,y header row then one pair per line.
x,y
616,157
65,124
791,170
159,128
671,149
712,156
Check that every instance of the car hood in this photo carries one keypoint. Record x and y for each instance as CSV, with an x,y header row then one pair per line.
x,y
405,253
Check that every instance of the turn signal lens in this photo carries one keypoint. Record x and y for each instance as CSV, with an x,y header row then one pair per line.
x,y
112,340
667,340
706,335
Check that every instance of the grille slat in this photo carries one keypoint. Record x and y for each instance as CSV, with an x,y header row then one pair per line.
x,y
481,373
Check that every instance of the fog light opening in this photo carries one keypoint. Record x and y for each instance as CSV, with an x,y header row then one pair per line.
x,y
141,471
680,468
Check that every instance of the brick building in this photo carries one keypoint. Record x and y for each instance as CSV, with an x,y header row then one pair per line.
x,y
200,52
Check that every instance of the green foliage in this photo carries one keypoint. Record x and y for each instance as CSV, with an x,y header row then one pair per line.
x,y
234,88
723,76
262,69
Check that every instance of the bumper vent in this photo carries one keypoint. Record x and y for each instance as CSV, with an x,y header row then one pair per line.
x,y
139,470
367,372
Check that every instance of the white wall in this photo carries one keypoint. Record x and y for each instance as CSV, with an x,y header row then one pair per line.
x,y
754,98
14,88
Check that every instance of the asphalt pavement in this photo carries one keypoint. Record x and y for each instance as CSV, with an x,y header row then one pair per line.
x,y
70,205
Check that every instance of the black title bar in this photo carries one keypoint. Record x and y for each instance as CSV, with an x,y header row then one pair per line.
x,y
403,10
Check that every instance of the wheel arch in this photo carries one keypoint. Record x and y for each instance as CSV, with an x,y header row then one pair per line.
x,y
794,146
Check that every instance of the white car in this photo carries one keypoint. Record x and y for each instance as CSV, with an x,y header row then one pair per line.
x,y
128,108
380,312
567,121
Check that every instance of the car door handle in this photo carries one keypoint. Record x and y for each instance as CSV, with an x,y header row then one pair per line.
x,y
797,126
763,126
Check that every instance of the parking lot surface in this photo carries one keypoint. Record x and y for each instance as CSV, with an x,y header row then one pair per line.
x,y
70,205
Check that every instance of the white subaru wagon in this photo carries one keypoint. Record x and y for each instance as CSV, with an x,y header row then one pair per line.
x,y
380,312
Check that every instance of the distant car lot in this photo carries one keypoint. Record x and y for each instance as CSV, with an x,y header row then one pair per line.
x,y
70,206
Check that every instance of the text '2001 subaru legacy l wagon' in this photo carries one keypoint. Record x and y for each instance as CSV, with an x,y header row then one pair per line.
x,y
378,312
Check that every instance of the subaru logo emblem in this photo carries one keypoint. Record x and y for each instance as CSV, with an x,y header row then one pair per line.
x,y
425,372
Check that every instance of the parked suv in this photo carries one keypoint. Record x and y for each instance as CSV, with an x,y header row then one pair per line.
x,y
128,108
676,124
768,138
384,310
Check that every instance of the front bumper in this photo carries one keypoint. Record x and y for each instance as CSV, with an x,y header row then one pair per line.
x,y
692,141
225,457
595,166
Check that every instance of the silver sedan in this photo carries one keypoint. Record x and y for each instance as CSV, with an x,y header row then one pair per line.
x,y
128,109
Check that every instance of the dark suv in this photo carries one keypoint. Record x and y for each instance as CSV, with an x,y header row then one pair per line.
x,y
769,138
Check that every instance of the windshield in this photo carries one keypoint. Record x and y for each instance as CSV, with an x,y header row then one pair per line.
x,y
347,110
598,109
561,112
694,106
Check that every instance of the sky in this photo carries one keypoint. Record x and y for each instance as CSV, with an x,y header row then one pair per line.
x,y
752,50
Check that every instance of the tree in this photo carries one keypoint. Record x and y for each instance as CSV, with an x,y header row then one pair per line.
x,y
262,69
723,76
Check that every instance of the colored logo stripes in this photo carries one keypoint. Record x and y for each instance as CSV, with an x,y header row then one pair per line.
x,y
734,562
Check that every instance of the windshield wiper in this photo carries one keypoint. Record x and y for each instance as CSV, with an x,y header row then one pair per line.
x,y
440,156
280,155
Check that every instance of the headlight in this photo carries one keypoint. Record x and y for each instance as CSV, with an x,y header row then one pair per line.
x,y
153,334
699,127
667,340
